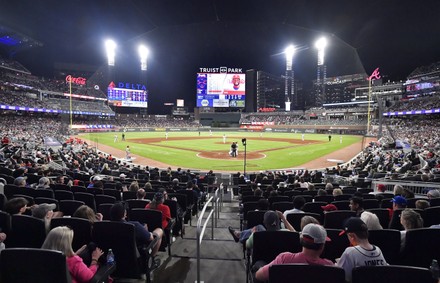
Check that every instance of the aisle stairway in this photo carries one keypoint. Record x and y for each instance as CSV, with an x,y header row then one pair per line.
x,y
221,258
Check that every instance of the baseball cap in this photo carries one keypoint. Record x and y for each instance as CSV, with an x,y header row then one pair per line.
x,y
282,185
329,207
122,175
381,188
271,220
314,233
97,178
41,210
354,224
399,200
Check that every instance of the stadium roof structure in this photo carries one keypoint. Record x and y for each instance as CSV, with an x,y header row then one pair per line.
x,y
12,41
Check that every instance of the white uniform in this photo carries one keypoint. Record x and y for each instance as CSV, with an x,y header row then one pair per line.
x,y
210,133
127,153
302,137
166,135
358,256
340,139
116,138
224,138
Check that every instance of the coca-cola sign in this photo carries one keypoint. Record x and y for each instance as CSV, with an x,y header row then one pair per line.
x,y
78,80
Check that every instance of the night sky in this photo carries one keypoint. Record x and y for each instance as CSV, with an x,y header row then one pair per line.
x,y
396,36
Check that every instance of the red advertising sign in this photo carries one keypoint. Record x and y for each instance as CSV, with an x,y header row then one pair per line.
x,y
78,80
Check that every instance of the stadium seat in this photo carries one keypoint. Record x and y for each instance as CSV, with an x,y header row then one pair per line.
x,y
295,219
306,273
82,229
26,232
388,240
391,273
335,219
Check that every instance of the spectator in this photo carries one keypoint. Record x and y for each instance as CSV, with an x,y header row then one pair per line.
x,y
398,190
298,203
399,202
16,205
45,212
60,239
271,222
356,205
361,252
20,182
409,220
140,194
143,236
337,192
157,204
134,186
329,207
2,239
407,193
433,194
371,220
313,238
43,183
307,220
86,212
422,204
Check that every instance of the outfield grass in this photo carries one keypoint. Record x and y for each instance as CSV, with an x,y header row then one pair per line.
x,y
185,155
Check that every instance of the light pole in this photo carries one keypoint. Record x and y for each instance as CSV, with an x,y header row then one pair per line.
x,y
289,90
243,141
143,54
321,44
110,47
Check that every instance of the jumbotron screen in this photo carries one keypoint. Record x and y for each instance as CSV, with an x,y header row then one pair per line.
x,y
221,89
127,95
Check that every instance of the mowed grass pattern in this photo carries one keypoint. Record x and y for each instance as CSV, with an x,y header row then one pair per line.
x,y
279,154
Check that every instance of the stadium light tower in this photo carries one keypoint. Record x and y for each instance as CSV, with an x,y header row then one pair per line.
x,y
289,90
110,47
321,44
143,54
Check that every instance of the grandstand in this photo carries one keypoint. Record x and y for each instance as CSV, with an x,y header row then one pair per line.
x,y
39,139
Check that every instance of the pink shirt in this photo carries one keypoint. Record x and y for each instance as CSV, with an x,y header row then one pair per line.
x,y
285,258
79,271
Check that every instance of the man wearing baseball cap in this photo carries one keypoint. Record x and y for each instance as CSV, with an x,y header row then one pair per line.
x,y
361,252
399,204
313,238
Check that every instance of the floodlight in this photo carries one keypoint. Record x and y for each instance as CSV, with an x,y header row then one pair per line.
x,y
289,51
143,54
320,44
110,47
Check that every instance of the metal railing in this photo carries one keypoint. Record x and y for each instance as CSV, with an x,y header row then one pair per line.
x,y
418,188
214,201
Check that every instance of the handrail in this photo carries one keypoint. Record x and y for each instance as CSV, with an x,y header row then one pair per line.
x,y
201,229
417,187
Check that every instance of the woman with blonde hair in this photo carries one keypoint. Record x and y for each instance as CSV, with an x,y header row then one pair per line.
x,y
87,212
410,219
60,239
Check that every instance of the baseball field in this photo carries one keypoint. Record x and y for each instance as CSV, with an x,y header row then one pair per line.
x,y
206,151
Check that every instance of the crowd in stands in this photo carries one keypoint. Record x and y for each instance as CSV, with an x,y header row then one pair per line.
x,y
140,121
283,119
421,103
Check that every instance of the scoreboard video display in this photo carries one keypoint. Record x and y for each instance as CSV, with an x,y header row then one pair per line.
x,y
127,95
221,89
